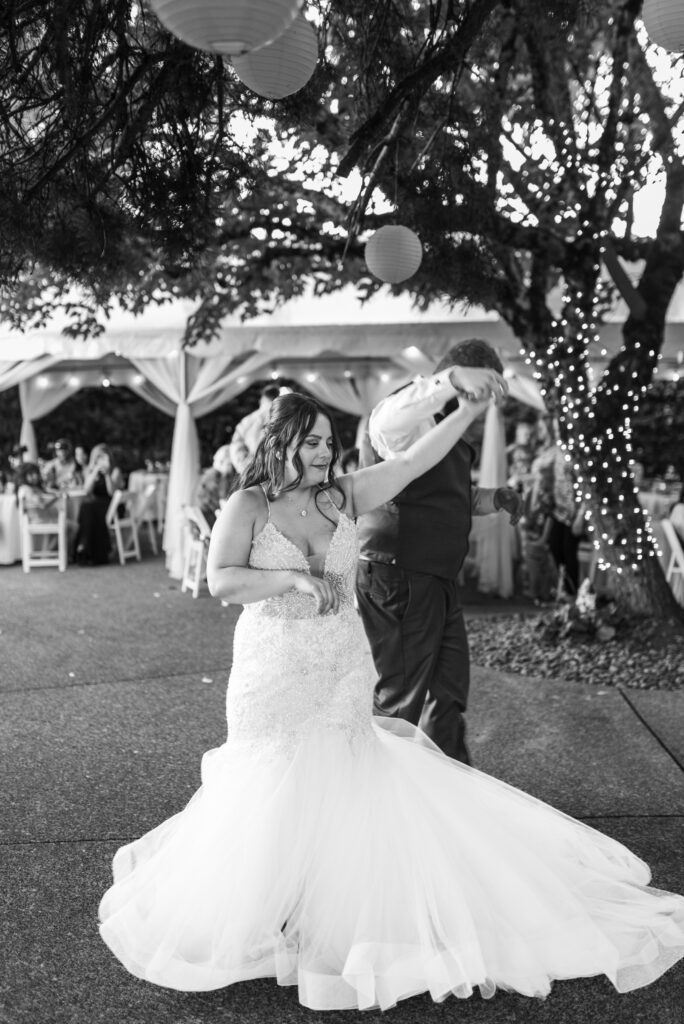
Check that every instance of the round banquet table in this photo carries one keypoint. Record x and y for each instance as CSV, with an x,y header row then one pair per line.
x,y
10,535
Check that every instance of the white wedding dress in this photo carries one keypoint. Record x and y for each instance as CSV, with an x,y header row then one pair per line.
x,y
347,855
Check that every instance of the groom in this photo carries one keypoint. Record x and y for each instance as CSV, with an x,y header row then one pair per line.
x,y
413,548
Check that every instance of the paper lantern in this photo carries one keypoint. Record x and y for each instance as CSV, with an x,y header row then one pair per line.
x,y
229,27
393,253
284,66
664,22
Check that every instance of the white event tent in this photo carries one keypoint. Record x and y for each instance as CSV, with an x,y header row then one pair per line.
x,y
346,353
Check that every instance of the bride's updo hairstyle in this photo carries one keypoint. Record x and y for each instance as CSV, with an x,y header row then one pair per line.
x,y
291,420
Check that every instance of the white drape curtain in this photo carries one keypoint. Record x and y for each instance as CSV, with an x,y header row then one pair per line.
x,y
189,387
495,537
13,372
37,401
355,395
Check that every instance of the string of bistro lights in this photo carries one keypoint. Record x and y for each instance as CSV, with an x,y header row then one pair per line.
x,y
273,49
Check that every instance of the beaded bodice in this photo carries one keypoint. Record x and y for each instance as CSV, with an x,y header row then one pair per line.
x,y
296,672
271,549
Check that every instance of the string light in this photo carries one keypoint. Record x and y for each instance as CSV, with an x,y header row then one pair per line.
x,y
602,463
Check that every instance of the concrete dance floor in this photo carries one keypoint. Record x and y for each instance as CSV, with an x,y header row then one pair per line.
x,y
113,685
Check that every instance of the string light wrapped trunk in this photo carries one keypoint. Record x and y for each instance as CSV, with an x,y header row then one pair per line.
x,y
228,27
393,253
282,67
596,424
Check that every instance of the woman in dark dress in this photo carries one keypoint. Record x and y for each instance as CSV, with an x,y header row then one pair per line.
x,y
92,543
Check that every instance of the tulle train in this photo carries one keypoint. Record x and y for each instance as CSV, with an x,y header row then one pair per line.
x,y
367,875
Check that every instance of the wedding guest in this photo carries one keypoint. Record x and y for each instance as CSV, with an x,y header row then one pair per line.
x,y
249,430
215,484
16,459
343,853
413,549
63,472
92,544
81,458
540,571
39,503
565,510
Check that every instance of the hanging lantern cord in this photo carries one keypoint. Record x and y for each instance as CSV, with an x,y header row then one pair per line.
x,y
361,202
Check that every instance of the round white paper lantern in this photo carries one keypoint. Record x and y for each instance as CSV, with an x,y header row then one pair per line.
x,y
229,27
664,22
282,67
393,253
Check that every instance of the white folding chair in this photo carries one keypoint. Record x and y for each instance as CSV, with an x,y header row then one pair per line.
x,y
44,554
146,514
121,521
197,535
675,566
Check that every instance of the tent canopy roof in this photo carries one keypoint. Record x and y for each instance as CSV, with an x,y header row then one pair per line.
x,y
336,326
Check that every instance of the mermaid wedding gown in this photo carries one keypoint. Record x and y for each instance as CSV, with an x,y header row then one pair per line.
x,y
347,855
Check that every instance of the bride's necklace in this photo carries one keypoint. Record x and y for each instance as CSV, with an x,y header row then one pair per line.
x,y
300,511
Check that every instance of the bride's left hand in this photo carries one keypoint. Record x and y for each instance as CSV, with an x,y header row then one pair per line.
x,y
323,592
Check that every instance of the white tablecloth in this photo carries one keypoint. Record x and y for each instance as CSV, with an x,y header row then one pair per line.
x,y
138,481
10,537
74,500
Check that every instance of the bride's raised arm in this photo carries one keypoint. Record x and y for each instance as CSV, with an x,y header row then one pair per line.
x,y
375,485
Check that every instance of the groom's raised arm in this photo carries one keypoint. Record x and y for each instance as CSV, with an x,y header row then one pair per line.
x,y
400,419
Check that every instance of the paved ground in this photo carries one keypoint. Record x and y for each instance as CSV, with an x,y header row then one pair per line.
x,y
112,685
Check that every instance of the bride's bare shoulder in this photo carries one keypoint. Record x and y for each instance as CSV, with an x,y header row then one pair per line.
x,y
247,503
248,497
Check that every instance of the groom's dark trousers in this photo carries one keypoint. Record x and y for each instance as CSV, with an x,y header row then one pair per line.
x,y
412,550
414,623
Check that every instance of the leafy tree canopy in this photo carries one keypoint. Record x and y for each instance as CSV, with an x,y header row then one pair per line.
x,y
135,167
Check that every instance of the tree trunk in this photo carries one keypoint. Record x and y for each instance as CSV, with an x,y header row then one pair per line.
x,y
596,432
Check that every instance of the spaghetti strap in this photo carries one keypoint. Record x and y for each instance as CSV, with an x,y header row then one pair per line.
x,y
268,503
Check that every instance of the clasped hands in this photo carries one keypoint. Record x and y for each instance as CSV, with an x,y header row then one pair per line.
x,y
324,593
478,385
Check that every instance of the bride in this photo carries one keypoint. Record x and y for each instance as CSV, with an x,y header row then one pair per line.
x,y
345,853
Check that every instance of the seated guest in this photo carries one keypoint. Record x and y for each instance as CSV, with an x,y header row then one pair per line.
x,y
215,484
63,472
16,459
39,504
92,543
81,458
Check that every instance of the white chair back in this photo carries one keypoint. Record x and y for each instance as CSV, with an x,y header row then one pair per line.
x,y
44,553
146,513
122,522
675,566
196,544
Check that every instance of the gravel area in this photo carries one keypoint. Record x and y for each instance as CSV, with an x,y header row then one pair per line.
x,y
643,655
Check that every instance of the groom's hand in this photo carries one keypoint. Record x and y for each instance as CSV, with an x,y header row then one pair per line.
x,y
477,384
507,499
